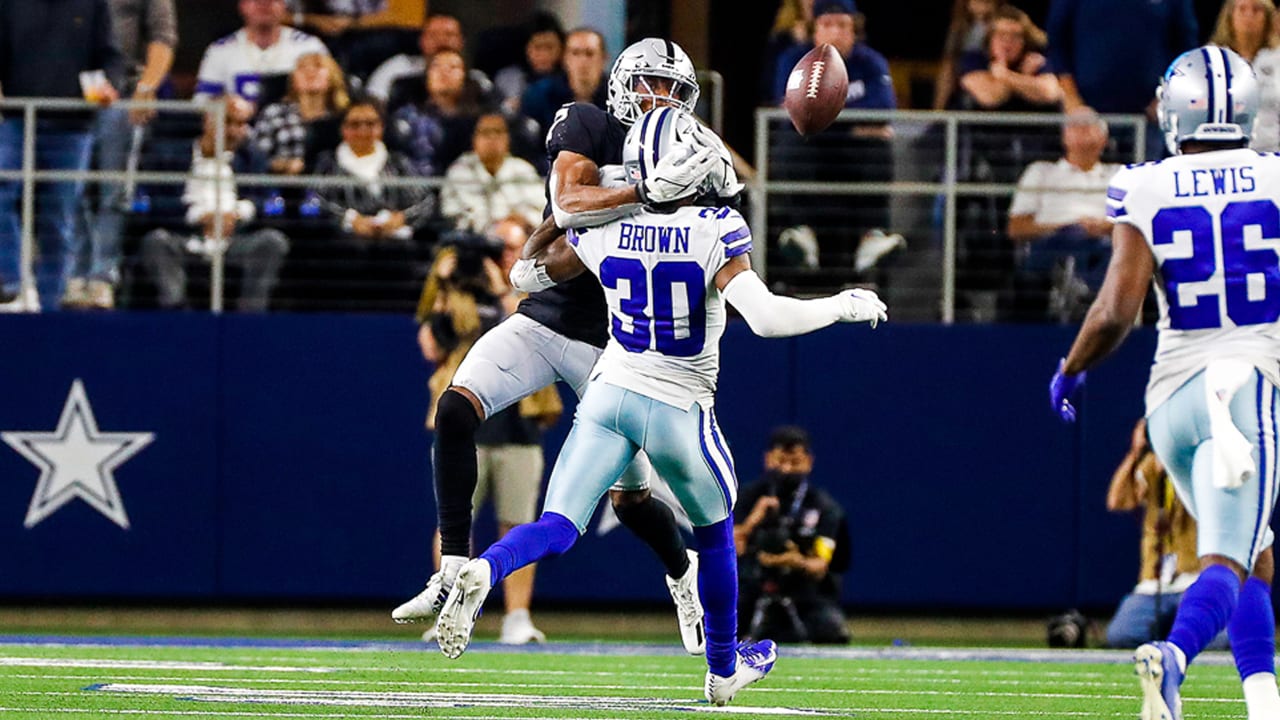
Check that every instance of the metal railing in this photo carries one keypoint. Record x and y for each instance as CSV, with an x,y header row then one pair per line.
x,y
947,182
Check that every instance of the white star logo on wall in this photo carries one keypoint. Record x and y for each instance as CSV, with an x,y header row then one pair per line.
x,y
76,461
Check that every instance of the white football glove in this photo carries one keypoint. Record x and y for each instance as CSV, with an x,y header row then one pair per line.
x,y
861,305
613,176
723,177
677,175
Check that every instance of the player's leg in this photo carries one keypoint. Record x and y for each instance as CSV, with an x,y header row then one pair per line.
x,y
647,517
594,454
517,478
687,447
1253,640
506,364
1232,525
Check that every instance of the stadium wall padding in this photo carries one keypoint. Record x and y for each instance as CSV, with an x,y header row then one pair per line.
x,y
290,462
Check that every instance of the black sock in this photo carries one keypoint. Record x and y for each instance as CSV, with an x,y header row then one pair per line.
x,y
654,523
454,464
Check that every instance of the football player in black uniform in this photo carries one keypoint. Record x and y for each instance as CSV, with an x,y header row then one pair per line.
x,y
558,334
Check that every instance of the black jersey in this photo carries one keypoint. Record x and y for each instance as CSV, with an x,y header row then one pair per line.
x,y
576,309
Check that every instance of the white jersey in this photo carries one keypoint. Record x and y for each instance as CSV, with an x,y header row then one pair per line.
x,y
665,312
1212,221
234,64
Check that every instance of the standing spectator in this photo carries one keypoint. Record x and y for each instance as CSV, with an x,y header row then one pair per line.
x,y
489,183
1109,54
508,445
1249,28
1059,214
147,32
260,54
967,35
380,225
792,541
212,201
583,79
292,132
438,130
543,52
1009,74
845,152
792,26
44,48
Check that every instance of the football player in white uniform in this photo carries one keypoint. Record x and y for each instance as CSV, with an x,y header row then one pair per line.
x,y
1205,225
265,46
559,333
666,272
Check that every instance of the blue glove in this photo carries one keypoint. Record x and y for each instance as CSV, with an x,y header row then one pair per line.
x,y
1061,388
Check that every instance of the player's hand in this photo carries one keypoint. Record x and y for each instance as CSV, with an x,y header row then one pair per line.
x,y
723,176
862,305
613,176
677,176
1061,388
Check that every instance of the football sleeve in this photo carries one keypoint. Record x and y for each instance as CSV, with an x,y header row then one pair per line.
x,y
211,78
1120,195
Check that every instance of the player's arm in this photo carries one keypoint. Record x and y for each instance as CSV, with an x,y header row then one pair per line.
x,y
578,200
772,315
1119,301
547,259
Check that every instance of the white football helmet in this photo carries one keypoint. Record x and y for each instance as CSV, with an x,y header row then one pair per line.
x,y
631,79
1207,94
660,133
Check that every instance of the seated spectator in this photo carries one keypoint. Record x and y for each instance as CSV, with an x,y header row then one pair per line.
x,y
1010,75
792,541
1059,217
370,212
489,183
440,32
361,34
1249,27
967,36
1169,560
438,130
844,152
292,132
264,51
542,54
583,80
221,218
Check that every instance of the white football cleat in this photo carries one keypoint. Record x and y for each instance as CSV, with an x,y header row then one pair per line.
x,y
426,605
518,629
458,617
684,592
755,660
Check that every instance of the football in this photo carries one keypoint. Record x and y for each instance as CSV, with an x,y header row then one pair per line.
x,y
816,89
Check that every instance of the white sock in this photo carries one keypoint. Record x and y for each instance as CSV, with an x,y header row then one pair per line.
x,y
1261,696
451,564
1180,656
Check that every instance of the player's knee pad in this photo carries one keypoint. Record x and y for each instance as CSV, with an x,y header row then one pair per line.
x,y
627,501
455,415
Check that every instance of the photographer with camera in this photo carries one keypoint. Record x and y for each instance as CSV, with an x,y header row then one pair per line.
x,y
466,294
792,542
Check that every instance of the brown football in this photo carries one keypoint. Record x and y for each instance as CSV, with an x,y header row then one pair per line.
x,y
816,89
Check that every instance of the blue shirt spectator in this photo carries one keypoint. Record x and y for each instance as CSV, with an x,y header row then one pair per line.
x,y
1110,54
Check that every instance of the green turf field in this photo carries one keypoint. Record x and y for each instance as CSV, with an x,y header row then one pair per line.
x,y
45,677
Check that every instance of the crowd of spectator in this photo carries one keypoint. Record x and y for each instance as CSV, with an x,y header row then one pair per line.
x,y
335,92
315,88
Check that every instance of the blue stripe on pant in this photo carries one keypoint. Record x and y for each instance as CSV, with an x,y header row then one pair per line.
x,y
1232,523
611,425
